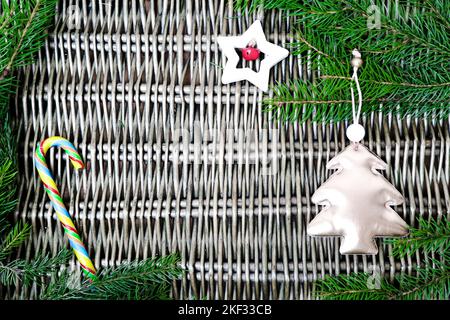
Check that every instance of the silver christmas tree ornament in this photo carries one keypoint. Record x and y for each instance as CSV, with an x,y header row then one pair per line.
x,y
357,199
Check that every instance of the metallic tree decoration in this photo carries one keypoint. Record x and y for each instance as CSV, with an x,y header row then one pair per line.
x,y
357,200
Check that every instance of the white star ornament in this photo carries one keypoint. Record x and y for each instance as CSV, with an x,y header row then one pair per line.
x,y
272,55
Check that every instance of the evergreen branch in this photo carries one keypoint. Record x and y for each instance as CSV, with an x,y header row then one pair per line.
x,y
6,89
22,25
431,236
6,20
447,84
147,279
309,45
429,282
7,189
356,286
44,265
252,5
20,271
10,273
18,47
327,99
27,24
298,102
284,102
405,58
15,238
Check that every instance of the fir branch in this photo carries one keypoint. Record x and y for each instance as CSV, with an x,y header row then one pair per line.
x,y
356,286
8,200
23,31
431,281
147,279
23,25
44,265
252,5
431,236
15,238
427,283
24,272
406,58
26,24
6,89
446,84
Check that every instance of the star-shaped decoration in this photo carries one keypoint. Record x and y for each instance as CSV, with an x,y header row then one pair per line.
x,y
272,55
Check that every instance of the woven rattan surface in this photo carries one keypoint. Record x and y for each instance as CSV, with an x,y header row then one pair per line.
x,y
176,161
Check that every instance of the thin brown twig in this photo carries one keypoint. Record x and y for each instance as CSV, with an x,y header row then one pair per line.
x,y
346,292
434,280
388,50
403,84
312,47
280,103
8,67
6,21
438,13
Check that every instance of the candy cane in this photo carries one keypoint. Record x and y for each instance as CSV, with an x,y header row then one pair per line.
x,y
55,197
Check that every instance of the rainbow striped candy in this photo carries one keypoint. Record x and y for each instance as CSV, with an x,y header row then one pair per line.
x,y
55,197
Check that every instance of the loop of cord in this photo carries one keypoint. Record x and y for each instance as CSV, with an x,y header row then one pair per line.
x,y
355,132
356,63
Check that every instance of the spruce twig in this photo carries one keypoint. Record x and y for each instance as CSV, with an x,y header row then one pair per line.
x,y
16,236
23,25
431,236
431,281
147,279
406,58
20,271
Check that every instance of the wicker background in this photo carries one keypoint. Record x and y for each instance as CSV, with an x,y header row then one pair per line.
x,y
176,161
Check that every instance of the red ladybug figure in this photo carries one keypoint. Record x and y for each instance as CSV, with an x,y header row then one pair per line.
x,y
250,53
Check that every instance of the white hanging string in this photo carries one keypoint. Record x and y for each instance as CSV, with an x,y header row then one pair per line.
x,y
356,113
355,132
260,12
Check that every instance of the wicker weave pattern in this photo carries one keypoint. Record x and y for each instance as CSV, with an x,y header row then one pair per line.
x,y
178,162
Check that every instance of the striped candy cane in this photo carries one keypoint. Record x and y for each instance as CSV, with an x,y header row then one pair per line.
x,y
55,197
